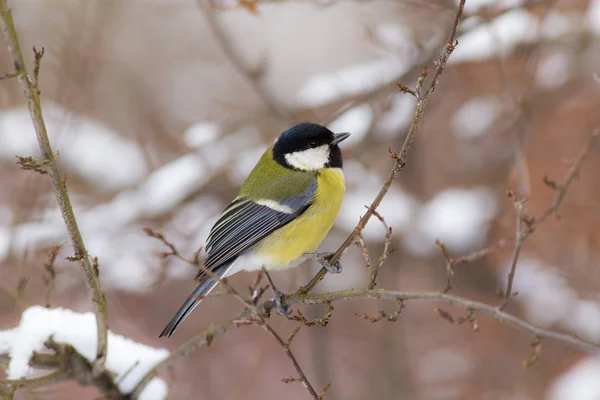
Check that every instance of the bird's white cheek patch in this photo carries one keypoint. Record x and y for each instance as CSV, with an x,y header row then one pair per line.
x,y
274,205
310,159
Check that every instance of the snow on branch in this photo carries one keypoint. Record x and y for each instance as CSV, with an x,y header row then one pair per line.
x,y
72,336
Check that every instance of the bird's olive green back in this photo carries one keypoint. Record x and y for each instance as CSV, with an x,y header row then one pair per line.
x,y
271,180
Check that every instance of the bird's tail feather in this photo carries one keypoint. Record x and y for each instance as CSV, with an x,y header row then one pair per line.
x,y
192,301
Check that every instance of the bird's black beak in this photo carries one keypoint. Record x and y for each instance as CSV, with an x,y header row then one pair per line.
x,y
339,137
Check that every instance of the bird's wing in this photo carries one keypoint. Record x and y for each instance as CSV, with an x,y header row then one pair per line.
x,y
246,221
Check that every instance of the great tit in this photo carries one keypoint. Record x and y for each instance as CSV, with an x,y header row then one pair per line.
x,y
285,208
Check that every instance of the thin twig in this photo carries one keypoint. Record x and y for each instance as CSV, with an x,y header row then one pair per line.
x,y
387,250
531,224
519,240
67,363
399,160
31,93
286,348
469,258
354,294
195,262
449,264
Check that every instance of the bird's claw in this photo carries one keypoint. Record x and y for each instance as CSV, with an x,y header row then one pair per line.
x,y
323,259
281,309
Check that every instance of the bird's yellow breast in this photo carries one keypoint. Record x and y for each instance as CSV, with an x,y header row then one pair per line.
x,y
305,233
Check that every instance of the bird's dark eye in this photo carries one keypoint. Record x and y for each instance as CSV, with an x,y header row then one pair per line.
x,y
312,144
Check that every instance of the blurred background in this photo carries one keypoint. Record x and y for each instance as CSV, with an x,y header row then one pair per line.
x,y
158,110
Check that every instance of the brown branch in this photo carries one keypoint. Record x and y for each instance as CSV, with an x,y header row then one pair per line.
x,y
519,240
469,258
242,319
31,92
67,363
531,224
355,294
381,314
399,160
387,250
288,352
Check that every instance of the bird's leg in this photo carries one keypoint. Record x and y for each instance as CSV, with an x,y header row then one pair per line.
x,y
323,259
281,308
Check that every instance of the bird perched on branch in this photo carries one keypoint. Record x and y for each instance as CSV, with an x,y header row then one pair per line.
x,y
285,208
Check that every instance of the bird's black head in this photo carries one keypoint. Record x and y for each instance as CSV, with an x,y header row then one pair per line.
x,y
309,147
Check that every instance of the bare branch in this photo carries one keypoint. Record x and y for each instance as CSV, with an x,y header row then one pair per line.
x,y
400,160
67,363
449,265
323,321
381,314
531,224
387,250
286,348
31,93
354,294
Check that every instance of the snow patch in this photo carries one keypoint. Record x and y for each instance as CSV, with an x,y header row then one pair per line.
x,y
500,36
443,365
458,217
553,70
87,147
350,81
579,382
475,116
129,360
546,296
402,108
593,16
394,35
200,134
397,207
357,121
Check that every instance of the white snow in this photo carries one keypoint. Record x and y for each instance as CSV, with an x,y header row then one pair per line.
x,y
546,295
444,364
5,242
559,24
201,133
474,5
399,115
128,360
584,318
357,121
553,70
458,217
350,81
397,206
245,162
129,262
498,37
94,151
394,35
475,116
548,299
171,183
579,382
593,16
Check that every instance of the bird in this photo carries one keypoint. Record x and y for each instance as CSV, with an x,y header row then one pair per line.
x,y
284,209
